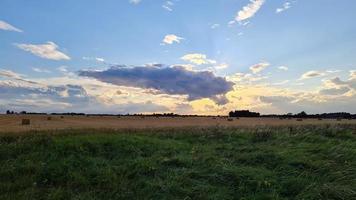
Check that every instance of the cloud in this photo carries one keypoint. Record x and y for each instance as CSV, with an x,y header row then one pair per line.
x,y
48,50
285,7
221,66
214,26
353,75
249,10
10,74
231,23
135,1
198,59
172,80
284,68
39,70
171,38
65,94
246,78
335,91
259,67
336,82
168,5
8,27
102,60
311,74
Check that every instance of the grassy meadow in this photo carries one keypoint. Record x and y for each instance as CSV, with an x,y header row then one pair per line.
x,y
290,162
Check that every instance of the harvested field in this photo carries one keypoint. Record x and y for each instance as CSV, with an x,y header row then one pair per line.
x,y
12,123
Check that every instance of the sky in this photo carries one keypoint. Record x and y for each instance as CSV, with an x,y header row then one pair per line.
x,y
188,57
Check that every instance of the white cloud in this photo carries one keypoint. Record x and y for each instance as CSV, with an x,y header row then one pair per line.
x,y
198,59
281,83
284,68
94,58
135,1
311,74
249,10
39,70
10,74
168,5
48,50
64,70
8,27
285,7
171,38
259,67
221,66
246,78
353,75
231,23
214,26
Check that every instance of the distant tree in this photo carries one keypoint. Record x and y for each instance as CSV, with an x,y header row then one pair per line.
x,y
8,112
302,114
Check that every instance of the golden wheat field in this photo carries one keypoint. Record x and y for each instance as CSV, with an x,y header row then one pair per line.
x,y
13,123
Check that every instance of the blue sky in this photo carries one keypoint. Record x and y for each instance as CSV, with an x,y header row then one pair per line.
x,y
279,56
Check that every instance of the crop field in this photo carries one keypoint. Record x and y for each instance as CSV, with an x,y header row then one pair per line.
x,y
13,123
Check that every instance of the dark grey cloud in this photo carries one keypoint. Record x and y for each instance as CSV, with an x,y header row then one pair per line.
x,y
170,80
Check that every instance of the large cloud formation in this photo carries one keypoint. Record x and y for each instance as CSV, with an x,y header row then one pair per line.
x,y
171,80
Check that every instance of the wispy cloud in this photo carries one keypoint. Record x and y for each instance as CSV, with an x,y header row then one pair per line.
x,y
259,67
283,68
168,5
8,27
311,74
214,26
171,38
40,70
198,59
221,66
285,7
249,10
48,50
10,74
353,75
98,59
135,1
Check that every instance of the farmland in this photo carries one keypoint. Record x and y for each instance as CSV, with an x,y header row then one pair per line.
x,y
309,160
12,123
147,157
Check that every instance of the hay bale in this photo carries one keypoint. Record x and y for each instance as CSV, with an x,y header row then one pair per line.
x,y
320,119
49,118
230,119
299,120
25,122
62,117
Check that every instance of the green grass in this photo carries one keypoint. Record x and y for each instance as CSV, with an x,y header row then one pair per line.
x,y
309,162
